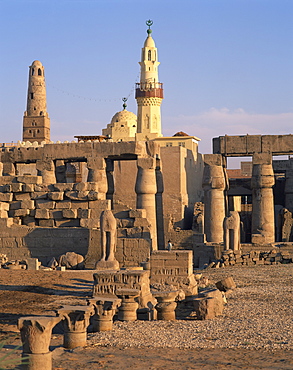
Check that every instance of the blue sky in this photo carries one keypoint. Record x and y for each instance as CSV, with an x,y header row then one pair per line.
x,y
226,65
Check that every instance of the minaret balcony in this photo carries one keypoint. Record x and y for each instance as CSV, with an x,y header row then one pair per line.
x,y
149,90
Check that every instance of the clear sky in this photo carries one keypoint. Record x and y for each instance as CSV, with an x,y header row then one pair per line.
x,y
226,65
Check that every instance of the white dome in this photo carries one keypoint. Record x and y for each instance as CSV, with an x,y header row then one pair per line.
x,y
123,116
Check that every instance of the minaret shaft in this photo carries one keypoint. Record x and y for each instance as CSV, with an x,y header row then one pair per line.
x,y
149,93
36,122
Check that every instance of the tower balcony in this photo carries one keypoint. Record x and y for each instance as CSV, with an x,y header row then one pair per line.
x,y
149,90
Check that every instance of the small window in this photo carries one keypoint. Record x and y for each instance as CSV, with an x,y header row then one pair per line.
x,y
38,131
39,72
149,55
41,113
33,71
32,95
181,144
30,131
133,126
122,125
169,144
35,108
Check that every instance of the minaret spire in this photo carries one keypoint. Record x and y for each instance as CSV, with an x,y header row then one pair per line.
x,y
149,91
36,122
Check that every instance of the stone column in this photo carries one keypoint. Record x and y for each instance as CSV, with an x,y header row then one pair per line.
x,y
75,321
159,205
289,187
110,180
105,309
214,183
263,223
127,310
166,305
97,173
35,334
146,189
46,169
60,171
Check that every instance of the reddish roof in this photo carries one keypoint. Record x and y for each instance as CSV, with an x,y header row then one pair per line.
x,y
180,133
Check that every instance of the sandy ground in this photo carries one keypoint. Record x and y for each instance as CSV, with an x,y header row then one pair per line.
x,y
25,293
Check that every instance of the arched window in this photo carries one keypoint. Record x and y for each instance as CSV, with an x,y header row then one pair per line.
x,y
41,113
33,71
32,95
39,72
149,55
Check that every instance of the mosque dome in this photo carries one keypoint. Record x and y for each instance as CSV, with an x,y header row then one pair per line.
x,y
124,115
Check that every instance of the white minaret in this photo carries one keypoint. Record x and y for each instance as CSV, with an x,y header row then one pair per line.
x,y
149,92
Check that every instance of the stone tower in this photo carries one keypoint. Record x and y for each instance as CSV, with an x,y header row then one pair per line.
x,y
36,122
149,92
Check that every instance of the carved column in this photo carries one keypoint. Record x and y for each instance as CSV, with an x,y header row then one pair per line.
x,y
127,310
146,189
166,305
105,309
262,181
36,336
289,187
159,205
214,184
97,173
110,180
46,169
75,321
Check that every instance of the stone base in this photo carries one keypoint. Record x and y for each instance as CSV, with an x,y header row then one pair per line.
x,y
37,361
107,265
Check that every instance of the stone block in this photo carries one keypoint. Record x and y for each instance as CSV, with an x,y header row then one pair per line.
x,y
6,180
32,264
69,213
96,213
49,204
14,205
126,222
42,188
29,221
3,214
4,206
64,204
57,214
29,179
84,213
100,204
140,213
63,186
30,204
28,188
21,212
90,223
6,188
47,223
16,188
93,186
226,284
79,204
22,196
94,195
67,223
141,222
39,195
207,308
6,197
80,186
76,195
56,195
43,213
199,238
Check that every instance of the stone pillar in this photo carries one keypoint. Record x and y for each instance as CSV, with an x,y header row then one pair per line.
x,y
127,310
97,173
110,180
214,183
35,334
75,321
289,188
166,305
60,171
263,223
105,309
46,169
159,205
146,189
